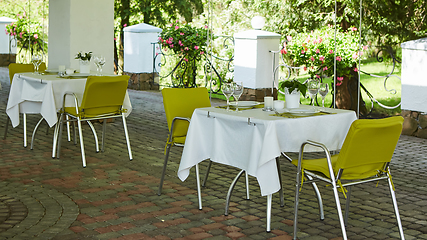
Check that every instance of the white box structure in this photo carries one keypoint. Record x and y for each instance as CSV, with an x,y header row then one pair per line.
x,y
253,59
5,43
414,77
139,50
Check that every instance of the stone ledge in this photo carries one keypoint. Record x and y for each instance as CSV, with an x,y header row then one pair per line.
x,y
6,59
142,81
257,94
415,123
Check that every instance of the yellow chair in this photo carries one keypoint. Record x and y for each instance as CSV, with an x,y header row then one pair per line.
x,y
21,68
180,104
103,98
364,157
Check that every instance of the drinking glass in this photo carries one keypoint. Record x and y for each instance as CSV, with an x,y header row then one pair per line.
x,y
37,60
313,88
237,92
100,60
95,60
323,91
227,90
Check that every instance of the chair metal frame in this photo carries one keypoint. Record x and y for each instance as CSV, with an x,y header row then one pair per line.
x,y
77,118
313,176
168,147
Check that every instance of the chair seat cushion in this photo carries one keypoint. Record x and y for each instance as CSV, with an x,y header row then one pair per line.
x,y
179,140
93,112
317,165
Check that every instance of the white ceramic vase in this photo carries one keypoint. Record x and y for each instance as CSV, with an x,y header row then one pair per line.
x,y
292,100
84,66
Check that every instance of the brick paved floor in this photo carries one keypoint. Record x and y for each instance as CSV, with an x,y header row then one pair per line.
x,y
114,198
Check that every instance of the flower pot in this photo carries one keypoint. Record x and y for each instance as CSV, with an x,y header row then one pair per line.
x,y
292,100
84,66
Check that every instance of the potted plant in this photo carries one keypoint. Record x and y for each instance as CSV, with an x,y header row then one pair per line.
x,y
316,52
292,90
84,60
29,40
188,43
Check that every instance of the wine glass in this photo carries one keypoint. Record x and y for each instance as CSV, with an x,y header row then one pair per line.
x,y
237,92
227,90
37,60
323,91
95,60
100,60
313,88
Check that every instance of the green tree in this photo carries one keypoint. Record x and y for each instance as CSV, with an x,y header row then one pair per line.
x,y
384,22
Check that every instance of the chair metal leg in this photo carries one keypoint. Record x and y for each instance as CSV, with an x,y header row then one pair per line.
x,y
347,205
247,185
319,198
59,136
68,129
208,169
104,128
82,147
35,131
55,136
337,202
6,127
168,148
73,124
296,203
230,190
127,136
24,117
279,171
199,190
94,135
396,209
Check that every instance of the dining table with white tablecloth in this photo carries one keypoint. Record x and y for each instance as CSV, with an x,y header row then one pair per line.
x,y
252,139
43,93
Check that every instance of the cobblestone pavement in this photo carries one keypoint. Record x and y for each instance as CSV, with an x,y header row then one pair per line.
x,y
114,198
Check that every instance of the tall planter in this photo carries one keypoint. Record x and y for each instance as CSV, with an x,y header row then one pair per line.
x,y
346,94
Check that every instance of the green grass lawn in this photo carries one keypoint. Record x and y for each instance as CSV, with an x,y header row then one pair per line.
x,y
375,86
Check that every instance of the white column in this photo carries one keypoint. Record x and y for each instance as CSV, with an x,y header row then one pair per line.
x,y
81,25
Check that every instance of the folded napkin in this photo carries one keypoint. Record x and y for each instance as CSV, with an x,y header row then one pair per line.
x,y
233,108
290,115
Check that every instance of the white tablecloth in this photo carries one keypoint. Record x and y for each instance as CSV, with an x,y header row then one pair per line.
x,y
228,138
32,93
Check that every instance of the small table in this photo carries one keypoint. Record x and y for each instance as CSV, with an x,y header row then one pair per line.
x,y
36,93
251,140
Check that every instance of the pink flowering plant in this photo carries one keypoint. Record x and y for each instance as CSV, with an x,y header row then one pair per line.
x,y
184,40
27,33
314,51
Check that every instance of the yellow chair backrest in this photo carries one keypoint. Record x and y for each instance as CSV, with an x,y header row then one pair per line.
x,y
21,67
181,102
369,144
104,94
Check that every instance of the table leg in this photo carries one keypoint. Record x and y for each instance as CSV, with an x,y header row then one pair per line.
x,y
269,197
24,117
199,190
230,190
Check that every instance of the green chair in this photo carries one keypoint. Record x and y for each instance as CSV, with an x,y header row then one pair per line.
x,y
103,98
21,68
364,157
180,104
